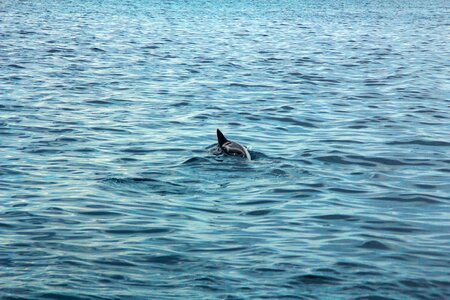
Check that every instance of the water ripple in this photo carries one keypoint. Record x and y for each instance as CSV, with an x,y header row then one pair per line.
x,y
109,183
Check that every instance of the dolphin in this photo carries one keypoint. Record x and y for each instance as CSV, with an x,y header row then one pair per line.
x,y
230,147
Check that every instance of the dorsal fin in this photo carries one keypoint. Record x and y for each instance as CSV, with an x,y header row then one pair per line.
x,y
221,139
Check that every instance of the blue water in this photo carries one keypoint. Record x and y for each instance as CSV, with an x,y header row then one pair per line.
x,y
107,187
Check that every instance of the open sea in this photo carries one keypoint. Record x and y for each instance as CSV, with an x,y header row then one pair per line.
x,y
108,110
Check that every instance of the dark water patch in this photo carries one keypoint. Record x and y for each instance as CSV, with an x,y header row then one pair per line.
x,y
203,116
260,212
313,78
289,297
278,172
144,186
55,148
171,259
314,279
416,283
180,104
97,49
330,141
249,85
155,46
85,150
374,297
286,190
374,245
111,129
60,296
126,159
137,180
394,226
292,121
207,210
347,191
10,171
16,66
196,161
100,213
269,270
337,217
68,296
115,262
256,202
135,151
341,160
353,265
98,102
421,142
223,249
378,160
131,230
65,139
425,186
411,198
440,283
305,193
368,274
60,50
253,118
358,127
332,159
6,225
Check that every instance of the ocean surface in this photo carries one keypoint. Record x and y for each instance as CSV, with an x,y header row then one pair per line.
x,y
108,189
